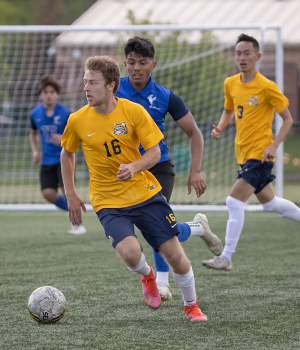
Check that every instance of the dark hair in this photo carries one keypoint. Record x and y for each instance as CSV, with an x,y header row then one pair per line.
x,y
107,66
140,46
244,37
48,80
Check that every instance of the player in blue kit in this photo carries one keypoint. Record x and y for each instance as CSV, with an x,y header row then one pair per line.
x,y
139,87
49,120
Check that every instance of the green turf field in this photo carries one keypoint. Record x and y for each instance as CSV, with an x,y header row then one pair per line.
x,y
255,306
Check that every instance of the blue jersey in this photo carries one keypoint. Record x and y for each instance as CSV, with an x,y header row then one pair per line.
x,y
158,101
47,126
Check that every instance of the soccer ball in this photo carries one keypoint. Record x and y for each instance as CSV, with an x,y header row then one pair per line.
x,y
47,304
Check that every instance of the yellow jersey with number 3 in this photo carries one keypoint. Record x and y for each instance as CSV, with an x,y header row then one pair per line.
x,y
253,104
108,141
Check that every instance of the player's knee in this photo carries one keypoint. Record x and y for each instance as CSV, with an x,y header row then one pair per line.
x,y
271,206
234,203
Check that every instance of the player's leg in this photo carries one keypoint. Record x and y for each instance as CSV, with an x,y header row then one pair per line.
x,y
183,277
281,206
164,172
49,183
235,202
120,233
159,227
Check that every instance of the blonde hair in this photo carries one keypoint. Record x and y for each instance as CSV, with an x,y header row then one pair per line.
x,y
107,66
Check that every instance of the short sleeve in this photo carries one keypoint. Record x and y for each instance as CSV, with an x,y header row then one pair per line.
x,y
228,103
177,108
32,124
70,140
276,98
147,131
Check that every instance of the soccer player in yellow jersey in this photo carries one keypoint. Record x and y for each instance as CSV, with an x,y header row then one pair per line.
x,y
251,99
122,192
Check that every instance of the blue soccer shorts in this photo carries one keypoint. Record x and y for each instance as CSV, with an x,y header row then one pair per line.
x,y
154,218
258,174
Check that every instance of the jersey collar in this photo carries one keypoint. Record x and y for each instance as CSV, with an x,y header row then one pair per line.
x,y
145,92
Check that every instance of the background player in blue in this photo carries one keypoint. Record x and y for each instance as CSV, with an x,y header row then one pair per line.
x,y
139,87
49,120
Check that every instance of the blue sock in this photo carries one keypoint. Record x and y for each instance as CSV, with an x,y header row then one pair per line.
x,y
61,202
160,263
184,231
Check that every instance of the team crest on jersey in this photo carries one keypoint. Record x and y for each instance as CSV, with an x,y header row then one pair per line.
x,y
151,99
120,128
253,100
56,120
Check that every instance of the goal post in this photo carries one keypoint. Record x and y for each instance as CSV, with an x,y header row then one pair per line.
x,y
192,60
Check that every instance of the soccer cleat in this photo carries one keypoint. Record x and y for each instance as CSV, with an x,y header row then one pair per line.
x,y
151,293
218,263
77,230
164,292
193,313
213,242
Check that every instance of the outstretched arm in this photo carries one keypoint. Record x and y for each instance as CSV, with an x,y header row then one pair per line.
x,y
147,161
270,151
189,126
226,117
75,204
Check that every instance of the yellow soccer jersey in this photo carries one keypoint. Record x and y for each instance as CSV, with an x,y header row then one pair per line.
x,y
254,105
108,141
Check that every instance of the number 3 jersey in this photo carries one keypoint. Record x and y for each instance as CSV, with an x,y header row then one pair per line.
x,y
254,105
108,141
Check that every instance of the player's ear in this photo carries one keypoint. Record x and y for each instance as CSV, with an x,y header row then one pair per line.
x,y
258,56
153,66
125,64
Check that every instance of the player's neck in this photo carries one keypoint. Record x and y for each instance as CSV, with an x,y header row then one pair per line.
x,y
139,87
247,77
50,109
106,107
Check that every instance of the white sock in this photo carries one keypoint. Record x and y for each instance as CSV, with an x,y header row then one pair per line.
x,y
143,268
186,284
196,228
284,208
162,277
234,225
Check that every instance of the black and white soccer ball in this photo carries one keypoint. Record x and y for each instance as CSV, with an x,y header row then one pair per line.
x,y
47,304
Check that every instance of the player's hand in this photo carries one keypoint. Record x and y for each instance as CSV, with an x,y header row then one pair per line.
x,y
269,153
75,205
125,172
56,139
196,180
216,132
36,157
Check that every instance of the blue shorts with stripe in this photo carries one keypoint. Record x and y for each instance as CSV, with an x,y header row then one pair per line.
x,y
258,174
153,217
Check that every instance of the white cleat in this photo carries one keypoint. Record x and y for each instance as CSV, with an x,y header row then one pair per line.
x,y
77,230
164,292
213,242
218,263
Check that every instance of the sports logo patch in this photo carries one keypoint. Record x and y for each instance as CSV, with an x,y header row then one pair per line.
x,y
151,99
56,120
120,128
253,100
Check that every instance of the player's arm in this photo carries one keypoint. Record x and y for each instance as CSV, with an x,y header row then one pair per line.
x,y
75,204
189,126
226,117
33,139
270,151
147,161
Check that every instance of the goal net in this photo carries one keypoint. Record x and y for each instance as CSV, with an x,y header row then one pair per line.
x,y
193,61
